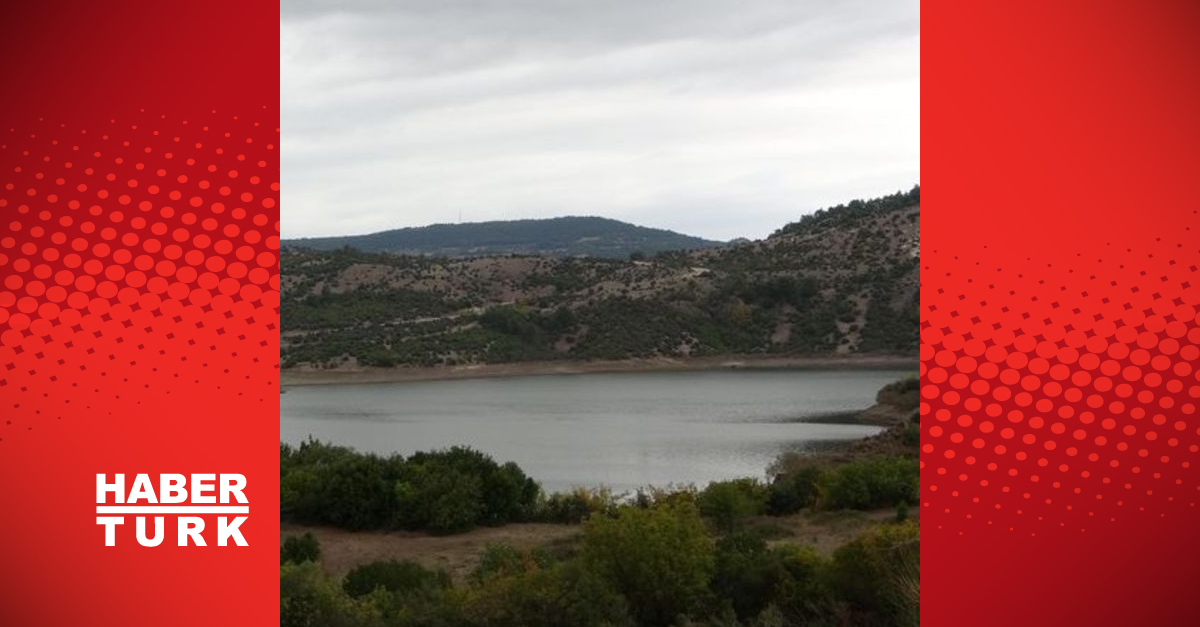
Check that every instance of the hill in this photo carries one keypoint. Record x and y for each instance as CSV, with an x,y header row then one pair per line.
x,y
843,282
568,237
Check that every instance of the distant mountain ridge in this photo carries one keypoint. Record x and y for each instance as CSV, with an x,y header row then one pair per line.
x,y
565,237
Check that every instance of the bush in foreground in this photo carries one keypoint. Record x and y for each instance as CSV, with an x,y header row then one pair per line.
x,y
575,506
661,560
870,484
307,598
639,568
729,503
747,575
298,549
794,488
395,576
563,595
879,573
445,491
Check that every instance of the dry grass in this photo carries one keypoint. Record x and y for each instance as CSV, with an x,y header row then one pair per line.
x,y
457,554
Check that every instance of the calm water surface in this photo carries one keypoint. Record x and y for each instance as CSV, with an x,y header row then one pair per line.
x,y
618,430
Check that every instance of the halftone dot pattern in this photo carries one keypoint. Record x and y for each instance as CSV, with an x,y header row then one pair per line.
x,y
127,272
1056,398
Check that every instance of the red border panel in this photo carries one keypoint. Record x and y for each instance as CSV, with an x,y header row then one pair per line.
x,y
139,277
1060,291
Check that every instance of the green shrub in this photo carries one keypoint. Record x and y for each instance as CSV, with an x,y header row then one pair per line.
x,y
501,560
747,574
395,576
660,559
442,491
879,573
576,506
334,485
307,598
793,491
297,549
455,489
729,503
670,496
805,595
442,501
870,483
568,595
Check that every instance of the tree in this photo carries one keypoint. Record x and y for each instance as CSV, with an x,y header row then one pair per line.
x,y
728,503
660,559
747,574
804,595
879,572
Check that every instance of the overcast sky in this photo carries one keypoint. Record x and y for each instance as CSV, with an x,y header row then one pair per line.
x,y
718,118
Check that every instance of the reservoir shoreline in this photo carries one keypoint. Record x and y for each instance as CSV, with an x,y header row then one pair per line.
x,y
292,377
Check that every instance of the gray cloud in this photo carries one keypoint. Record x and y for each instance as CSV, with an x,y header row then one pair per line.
x,y
720,118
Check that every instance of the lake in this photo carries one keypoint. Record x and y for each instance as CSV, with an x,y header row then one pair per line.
x,y
622,431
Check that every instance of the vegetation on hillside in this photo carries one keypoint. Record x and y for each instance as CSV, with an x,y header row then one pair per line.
x,y
845,215
842,281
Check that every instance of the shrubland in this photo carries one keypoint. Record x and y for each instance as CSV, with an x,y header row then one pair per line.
x,y
651,567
